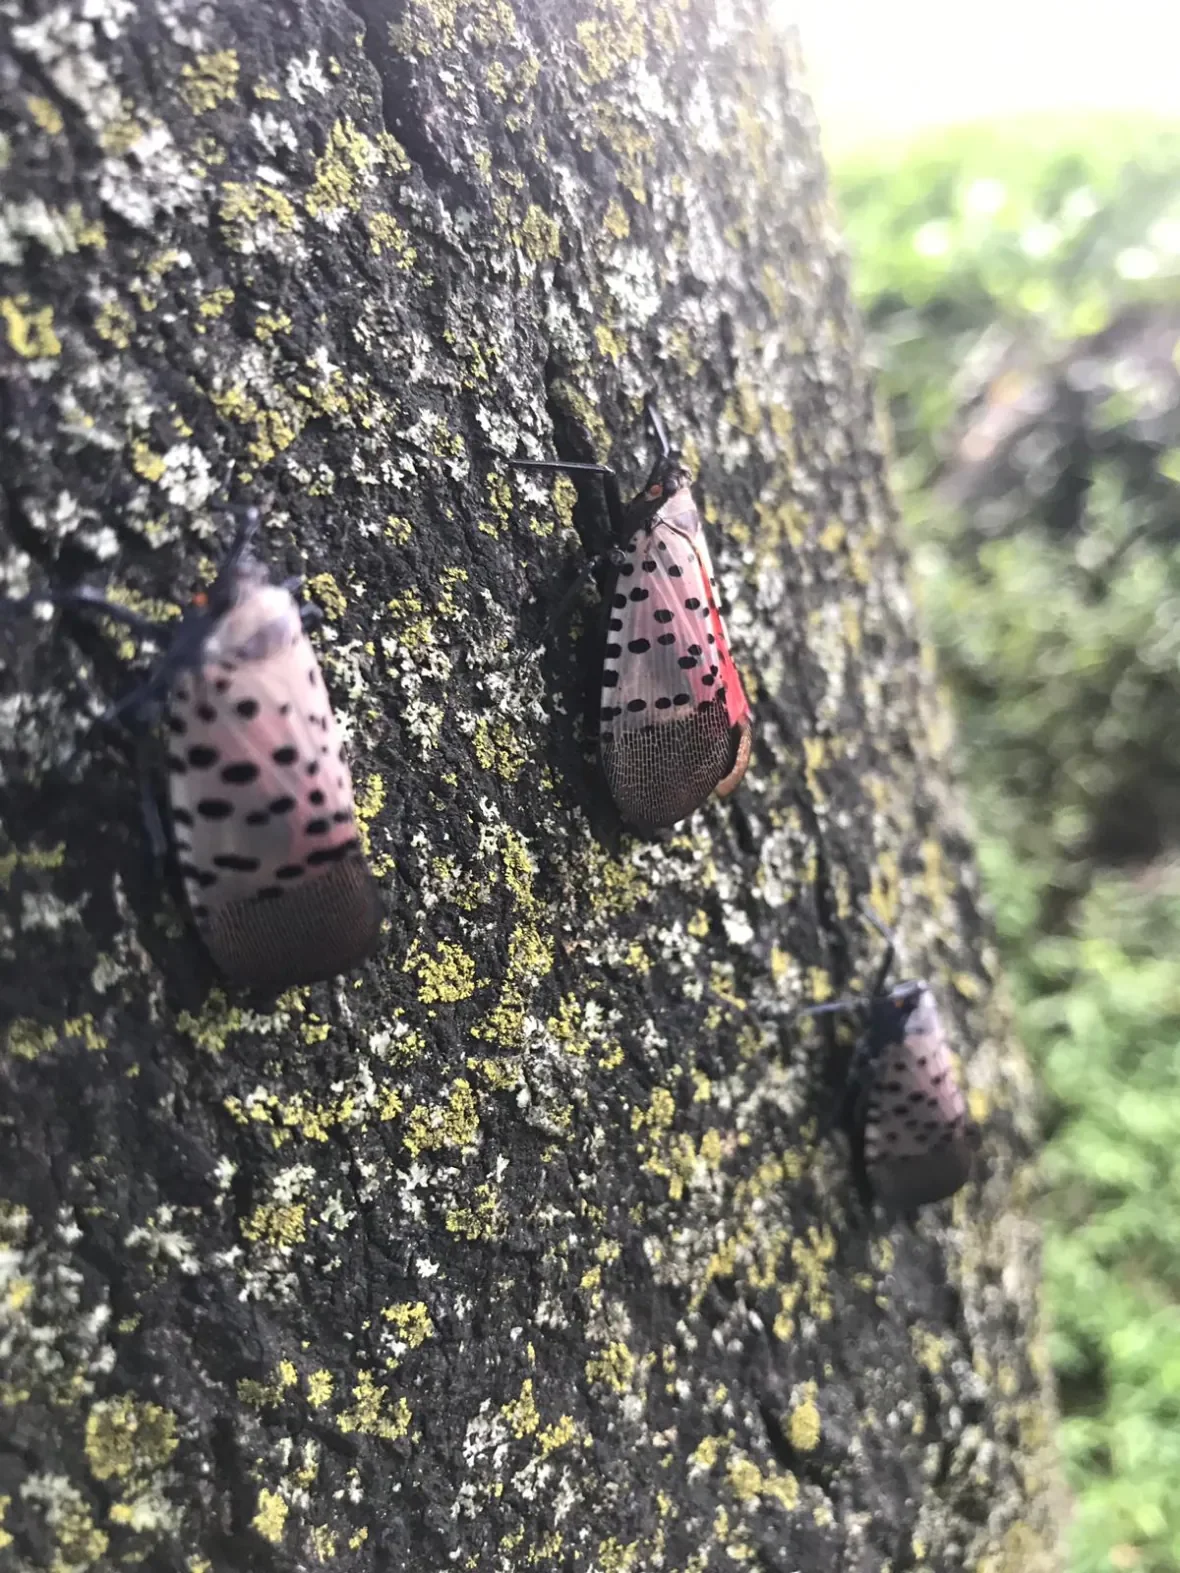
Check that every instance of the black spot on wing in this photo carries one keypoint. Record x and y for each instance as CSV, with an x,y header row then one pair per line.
x,y
332,854
287,755
214,808
236,863
247,708
240,774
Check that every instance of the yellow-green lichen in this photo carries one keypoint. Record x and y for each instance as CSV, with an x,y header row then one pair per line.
x,y
521,1413
615,220
242,204
451,1124
610,344
482,1221
614,1367
412,1320
211,81
258,1395
540,235
28,1040
611,42
329,595
348,160
282,1226
271,1518
125,1437
30,329
320,1386
445,977
216,303
386,234
500,747
114,323
368,1415
45,113
803,1426
562,1432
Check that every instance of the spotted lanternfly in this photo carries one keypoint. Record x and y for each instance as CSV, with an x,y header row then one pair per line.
x,y
902,1100
674,722
259,788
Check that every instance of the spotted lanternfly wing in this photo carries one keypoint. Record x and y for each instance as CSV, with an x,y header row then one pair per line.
x,y
262,801
915,1133
674,723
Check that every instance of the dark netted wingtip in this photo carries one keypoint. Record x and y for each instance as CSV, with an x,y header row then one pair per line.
x,y
659,775
904,1184
317,930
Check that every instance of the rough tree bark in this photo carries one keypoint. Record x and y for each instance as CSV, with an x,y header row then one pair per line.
x,y
525,1248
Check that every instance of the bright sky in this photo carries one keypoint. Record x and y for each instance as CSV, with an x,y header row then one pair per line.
x,y
886,66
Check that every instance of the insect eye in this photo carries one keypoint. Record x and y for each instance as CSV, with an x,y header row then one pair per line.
x,y
655,491
200,600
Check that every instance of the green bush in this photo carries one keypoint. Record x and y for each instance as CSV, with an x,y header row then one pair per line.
x,y
980,256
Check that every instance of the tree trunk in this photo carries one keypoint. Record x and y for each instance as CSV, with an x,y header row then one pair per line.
x,y
529,1245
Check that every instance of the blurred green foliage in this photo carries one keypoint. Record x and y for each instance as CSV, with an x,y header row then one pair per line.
x,y
1039,471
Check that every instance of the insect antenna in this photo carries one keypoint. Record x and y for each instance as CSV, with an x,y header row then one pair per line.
x,y
614,509
854,1003
249,518
658,430
610,481
886,934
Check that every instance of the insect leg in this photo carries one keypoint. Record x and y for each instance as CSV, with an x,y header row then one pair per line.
x,y
561,610
85,599
149,807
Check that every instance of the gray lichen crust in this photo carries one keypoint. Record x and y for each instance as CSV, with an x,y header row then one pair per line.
x,y
527,1248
